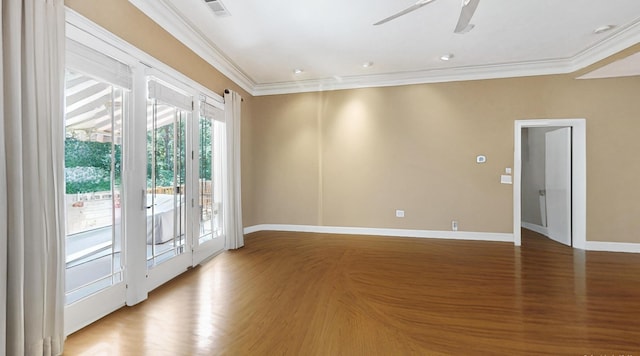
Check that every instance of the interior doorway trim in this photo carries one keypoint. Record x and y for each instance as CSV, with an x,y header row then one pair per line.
x,y
578,179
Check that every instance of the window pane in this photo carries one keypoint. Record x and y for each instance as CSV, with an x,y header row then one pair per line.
x,y
166,176
205,134
210,190
93,156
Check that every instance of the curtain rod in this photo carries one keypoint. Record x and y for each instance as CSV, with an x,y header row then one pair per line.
x,y
227,91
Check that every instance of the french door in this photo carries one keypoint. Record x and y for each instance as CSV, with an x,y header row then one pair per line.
x,y
94,225
184,211
209,165
169,119
97,99
121,244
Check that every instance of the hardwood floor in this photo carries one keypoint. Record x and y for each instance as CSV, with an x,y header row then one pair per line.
x,y
313,294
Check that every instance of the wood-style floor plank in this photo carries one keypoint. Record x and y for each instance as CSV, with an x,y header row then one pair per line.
x,y
314,294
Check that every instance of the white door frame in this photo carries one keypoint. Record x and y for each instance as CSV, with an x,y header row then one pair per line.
x,y
578,180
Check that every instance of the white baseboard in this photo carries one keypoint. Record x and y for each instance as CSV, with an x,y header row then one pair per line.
x,y
592,245
613,246
537,228
453,235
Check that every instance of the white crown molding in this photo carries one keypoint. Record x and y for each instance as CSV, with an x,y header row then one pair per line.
x,y
625,67
621,40
165,15
171,20
451,235
495,71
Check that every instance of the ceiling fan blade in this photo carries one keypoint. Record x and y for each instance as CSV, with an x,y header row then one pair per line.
x,y
414,7
468,9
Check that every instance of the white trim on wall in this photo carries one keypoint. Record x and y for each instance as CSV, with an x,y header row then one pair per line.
x,y
578,181
452,235
429,234
613,246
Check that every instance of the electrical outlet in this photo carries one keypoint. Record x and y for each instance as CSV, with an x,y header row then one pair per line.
x,y
399,213
454,225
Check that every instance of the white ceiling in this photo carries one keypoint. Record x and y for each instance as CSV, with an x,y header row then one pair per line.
x,y
262,42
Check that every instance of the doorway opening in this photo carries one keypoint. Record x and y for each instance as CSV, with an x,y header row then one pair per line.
x,y
576,215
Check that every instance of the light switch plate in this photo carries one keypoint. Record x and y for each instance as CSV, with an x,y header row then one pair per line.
x,y
506,179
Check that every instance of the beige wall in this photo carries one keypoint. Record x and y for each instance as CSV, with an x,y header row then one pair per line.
x,y
350,158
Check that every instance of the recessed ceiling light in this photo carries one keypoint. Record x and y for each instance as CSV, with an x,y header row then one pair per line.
x,y
298,71
367,64
446,57
603,29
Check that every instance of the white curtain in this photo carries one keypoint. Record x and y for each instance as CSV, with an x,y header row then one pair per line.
x,y
233,194
32,177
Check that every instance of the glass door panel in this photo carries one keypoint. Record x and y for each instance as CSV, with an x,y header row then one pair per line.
x,y
166,177
209,179
93,177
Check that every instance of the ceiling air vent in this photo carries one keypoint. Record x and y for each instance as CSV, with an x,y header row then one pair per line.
x,y
218,8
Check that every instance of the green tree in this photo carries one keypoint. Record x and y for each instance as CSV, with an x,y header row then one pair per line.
x,y
160,157
89,165
205,137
